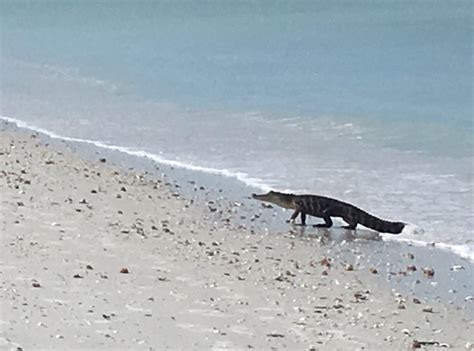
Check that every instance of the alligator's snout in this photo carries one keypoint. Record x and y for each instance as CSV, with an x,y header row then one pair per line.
x,y
260,196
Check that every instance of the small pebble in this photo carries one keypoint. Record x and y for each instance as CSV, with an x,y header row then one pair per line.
x,y
429,272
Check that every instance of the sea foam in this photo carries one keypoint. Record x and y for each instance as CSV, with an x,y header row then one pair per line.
x,y
241,176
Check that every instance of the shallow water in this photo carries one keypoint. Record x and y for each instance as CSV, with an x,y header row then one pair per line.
x,y
370,103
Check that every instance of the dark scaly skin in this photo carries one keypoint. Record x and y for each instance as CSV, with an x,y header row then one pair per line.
x,y
325,208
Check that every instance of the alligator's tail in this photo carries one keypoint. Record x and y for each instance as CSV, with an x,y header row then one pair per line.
x,y
380,225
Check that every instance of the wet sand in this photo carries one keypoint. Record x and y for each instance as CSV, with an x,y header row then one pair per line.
x,y
96,257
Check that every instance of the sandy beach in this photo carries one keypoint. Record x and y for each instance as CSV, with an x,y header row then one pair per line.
x,y
96,257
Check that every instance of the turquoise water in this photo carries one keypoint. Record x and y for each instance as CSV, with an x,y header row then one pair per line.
x,y
367,101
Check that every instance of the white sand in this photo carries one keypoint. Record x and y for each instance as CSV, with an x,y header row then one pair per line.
x,y
70,227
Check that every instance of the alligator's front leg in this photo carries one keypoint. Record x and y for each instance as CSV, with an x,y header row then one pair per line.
x,y
303,218
293,216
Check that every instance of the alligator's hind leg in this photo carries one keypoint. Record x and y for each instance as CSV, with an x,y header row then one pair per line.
x,y
352,224
327,223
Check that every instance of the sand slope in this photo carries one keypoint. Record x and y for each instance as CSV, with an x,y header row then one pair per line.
x,y
71,230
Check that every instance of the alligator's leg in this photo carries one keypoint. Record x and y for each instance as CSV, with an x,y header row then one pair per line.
x,y
352,223
327,222
293,216
350,226
303,218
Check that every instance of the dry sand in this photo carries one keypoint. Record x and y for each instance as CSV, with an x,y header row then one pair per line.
x,y
93,257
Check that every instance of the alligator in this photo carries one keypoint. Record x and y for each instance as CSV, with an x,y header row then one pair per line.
x,y
325,208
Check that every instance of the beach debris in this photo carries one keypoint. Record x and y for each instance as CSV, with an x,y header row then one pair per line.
x,y
411,268
325,262
469,298
416,301
266,205
360,296
36,284
106,316
102,160
457,268
410,256
349,267
281,278
89,267
373,270
275,335
78,276
428,272
428,309
418,344
124,270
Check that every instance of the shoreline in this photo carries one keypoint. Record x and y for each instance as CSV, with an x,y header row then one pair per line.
x,y
95,256
233,187
229,200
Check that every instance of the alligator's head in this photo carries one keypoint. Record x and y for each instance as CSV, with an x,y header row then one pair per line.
x,y
280,199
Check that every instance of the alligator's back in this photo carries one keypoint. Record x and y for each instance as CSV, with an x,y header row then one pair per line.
x,y
316,205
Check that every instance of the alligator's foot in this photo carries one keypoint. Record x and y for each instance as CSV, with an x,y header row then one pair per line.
x,y
293,222
321,225
349,227
296,224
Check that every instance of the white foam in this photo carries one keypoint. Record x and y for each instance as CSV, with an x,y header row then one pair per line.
x,y
241,176
461,250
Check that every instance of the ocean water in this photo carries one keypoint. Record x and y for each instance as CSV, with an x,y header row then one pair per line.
x,y
369,101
